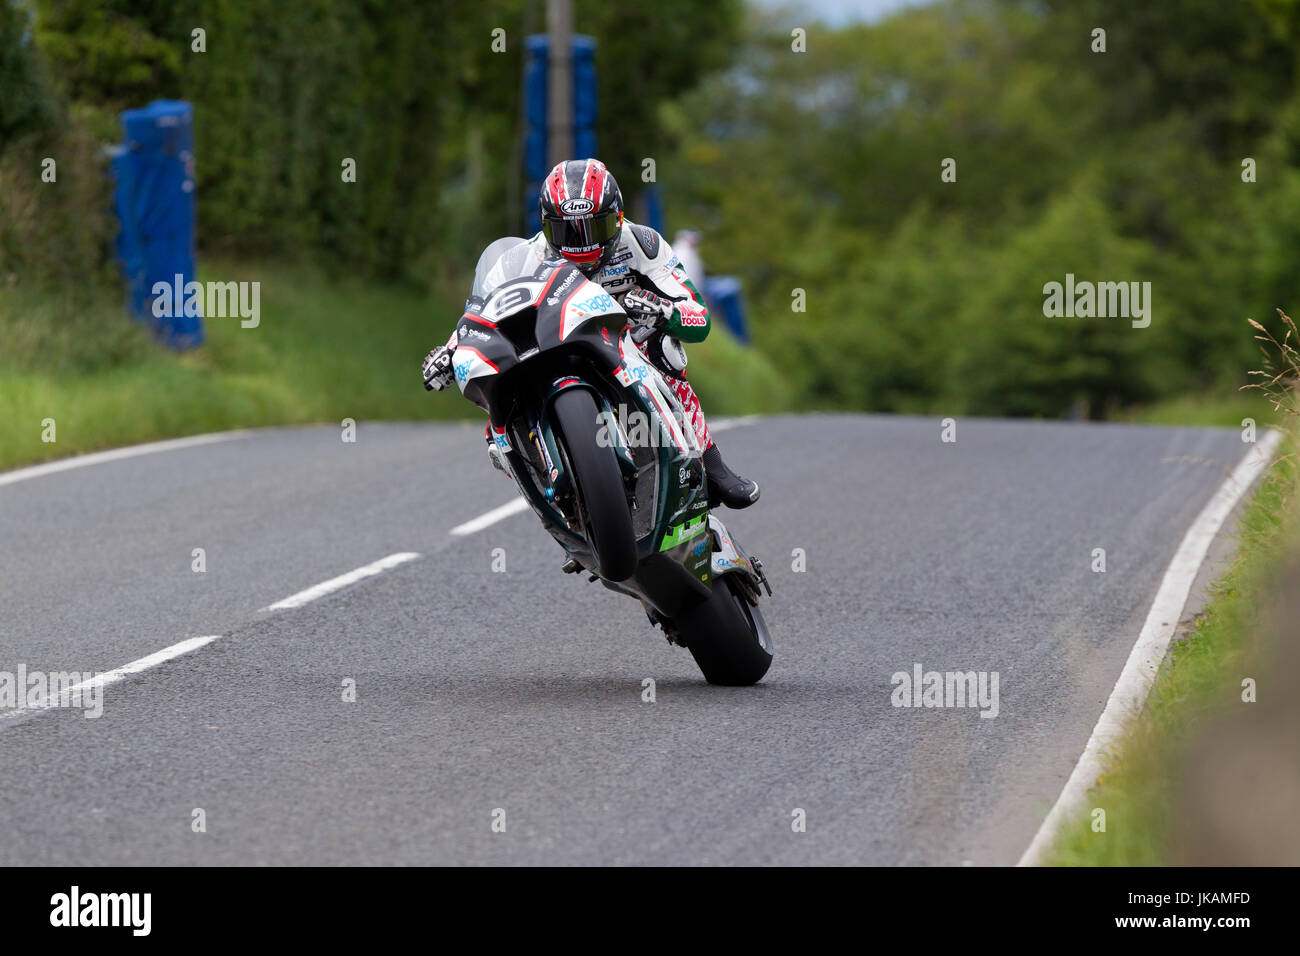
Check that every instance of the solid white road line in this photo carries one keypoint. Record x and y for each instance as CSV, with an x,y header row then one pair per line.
x,y
722,424
342,581
116,454
1144,660
113,676
176,444
492,517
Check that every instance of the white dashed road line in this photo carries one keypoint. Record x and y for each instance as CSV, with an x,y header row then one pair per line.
x,y
491,517
342,581
111,677
306,596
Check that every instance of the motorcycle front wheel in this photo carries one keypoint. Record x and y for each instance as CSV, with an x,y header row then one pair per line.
x,y
600,485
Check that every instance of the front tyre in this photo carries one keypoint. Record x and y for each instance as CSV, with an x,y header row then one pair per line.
x,y
600,484
728,637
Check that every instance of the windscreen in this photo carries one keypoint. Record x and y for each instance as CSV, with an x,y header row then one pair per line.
x,y
505,259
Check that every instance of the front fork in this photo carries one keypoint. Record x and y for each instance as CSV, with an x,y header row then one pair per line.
x,y
556,485
611,434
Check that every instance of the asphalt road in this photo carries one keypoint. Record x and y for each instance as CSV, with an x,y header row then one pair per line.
x,y
521,690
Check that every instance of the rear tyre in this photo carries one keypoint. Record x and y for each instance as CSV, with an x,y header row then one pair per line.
x,y
728,637
600,485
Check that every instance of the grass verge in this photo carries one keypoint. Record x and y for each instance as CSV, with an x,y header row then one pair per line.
x,y
1226,408
327,348
1144,789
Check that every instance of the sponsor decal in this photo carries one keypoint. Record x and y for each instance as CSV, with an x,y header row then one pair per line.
x,y
576,207
463,370
467,332
621,257
603,302
681,533
692,316
613,271
632,374
558,293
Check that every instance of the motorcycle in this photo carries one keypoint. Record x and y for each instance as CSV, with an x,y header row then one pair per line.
x,y
599,446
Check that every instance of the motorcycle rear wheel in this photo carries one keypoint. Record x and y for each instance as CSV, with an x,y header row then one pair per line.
x,y
726,636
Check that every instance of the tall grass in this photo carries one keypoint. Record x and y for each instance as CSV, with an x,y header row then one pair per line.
x,y
1173,788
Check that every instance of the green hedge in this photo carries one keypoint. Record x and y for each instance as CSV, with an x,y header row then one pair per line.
x,y
412,90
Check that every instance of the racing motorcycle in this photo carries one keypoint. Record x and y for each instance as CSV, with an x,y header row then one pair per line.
x,y
597,443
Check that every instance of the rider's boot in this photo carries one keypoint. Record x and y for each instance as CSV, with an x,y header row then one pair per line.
x,y
725,486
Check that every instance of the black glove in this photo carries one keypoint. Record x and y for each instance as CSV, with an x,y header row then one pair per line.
x,y
437,369
646,308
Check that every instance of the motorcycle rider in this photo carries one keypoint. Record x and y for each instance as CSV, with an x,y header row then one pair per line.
x,y
581,211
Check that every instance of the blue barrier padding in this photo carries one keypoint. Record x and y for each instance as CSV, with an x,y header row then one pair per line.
x,y
154,201
536,94
654,210
726,300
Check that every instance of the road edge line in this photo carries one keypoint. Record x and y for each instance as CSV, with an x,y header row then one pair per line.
x,y
1148,652
116,454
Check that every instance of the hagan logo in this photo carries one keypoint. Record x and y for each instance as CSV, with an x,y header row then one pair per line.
x,y
597,303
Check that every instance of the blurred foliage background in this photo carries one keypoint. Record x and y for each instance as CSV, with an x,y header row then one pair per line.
x,y
817,170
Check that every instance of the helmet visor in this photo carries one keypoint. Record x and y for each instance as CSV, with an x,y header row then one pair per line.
x,y
583,237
